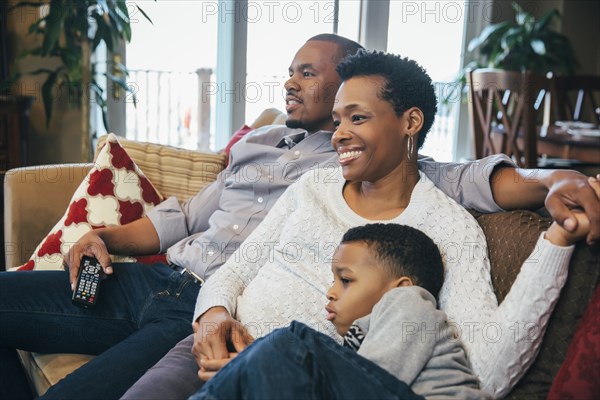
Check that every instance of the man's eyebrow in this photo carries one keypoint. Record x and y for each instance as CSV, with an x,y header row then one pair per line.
x,y
302,66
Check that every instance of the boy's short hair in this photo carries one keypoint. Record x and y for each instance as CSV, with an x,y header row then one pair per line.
x,y
407,83
403,251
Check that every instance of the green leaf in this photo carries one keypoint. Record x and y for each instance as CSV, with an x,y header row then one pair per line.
x,y
54,26
103,33
41,71
103,5
35,27
538,46
47,97
488,31
144,13
543,22
37,51
119,81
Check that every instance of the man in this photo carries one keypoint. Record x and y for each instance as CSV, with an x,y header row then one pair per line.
x,y
146,310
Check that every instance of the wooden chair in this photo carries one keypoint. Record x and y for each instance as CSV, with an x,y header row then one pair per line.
x,y
576,98
503,109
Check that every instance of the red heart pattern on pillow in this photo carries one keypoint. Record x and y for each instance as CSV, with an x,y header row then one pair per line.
x,y
115,192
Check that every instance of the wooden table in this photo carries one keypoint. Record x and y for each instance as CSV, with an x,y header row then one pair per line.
x,y
555,141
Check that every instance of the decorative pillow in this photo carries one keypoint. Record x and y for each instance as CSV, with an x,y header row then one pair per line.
x,y
579,375
115,192
237,136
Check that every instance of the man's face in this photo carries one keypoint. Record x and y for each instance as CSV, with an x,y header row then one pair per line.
x,y
359,283
310,91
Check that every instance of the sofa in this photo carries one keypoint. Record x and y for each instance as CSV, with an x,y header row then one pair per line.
x,y
510,235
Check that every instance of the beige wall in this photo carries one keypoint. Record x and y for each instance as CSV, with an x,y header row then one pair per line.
x,y
61,140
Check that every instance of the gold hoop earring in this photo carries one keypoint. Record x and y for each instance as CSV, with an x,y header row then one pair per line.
x,y
410,147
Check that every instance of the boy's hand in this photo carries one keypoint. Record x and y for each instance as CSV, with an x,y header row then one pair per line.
x,y
560,236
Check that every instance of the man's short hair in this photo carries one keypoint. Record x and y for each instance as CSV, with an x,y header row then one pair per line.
x,y
407,83
402,251
346,47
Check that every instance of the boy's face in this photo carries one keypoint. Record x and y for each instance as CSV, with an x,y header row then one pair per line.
x,y
359,283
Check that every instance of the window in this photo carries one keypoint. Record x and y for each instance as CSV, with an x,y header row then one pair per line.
x,y
276,30
169,60
432,34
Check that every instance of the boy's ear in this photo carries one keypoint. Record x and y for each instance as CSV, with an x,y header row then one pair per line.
x,y
403,281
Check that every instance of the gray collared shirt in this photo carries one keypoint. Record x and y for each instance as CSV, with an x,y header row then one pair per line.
x,y
203,232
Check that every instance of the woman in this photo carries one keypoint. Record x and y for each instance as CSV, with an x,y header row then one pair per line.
x,y
382,113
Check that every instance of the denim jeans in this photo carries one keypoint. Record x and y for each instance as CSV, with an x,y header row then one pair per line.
x,y
300,363
142,311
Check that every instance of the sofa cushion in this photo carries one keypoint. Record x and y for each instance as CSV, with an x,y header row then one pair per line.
x,y
115,192
45,370
175,172
579,375
511,237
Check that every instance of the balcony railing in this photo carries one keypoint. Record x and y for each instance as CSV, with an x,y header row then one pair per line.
x,y
172,108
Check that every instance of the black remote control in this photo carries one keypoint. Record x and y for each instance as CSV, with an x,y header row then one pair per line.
x,y
88,282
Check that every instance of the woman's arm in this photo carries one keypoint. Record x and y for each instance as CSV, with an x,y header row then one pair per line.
x,y
501,341
230,280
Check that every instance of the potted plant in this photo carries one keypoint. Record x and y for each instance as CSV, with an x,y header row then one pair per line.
x,y
526,44
71,32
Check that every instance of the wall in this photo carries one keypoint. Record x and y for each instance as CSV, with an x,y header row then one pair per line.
x,y
61,140
581,25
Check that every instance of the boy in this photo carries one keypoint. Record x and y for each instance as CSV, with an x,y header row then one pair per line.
x,y
382,302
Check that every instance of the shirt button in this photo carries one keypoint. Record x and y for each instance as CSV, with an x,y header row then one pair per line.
x,y
210,252
260,199
235,227
297,152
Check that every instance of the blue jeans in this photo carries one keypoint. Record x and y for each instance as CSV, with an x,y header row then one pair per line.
x,y
300,363
141,313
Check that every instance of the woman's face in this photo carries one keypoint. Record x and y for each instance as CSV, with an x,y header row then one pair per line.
x,y
369,137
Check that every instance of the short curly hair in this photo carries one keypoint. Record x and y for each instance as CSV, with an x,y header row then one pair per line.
x,y
403,251
407,83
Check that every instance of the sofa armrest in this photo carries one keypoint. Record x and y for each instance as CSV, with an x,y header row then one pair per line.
x,y
35,198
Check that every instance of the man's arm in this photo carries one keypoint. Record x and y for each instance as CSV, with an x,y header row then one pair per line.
x,y
561,191
135,238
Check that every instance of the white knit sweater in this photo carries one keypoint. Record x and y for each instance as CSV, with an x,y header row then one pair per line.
x,y
283,270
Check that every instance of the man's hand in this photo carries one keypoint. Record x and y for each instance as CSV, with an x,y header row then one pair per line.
x,y
571,191
91,245
215,329
563,237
